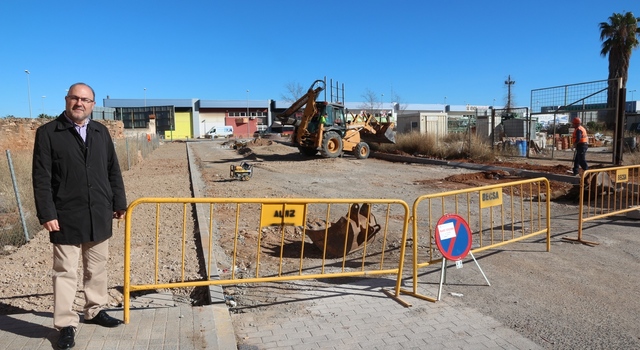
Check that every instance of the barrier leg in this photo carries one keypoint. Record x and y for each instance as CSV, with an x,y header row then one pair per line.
x,y
479,268
443,273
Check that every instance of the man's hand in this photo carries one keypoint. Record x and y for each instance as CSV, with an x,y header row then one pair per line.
x,y
119,214
51,225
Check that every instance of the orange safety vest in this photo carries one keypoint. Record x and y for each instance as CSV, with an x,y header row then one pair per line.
x,y
583,139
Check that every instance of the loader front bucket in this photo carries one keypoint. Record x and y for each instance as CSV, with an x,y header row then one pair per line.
x,y
350,233
384,133
338,237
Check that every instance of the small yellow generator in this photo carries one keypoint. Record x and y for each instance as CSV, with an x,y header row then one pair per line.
x,y
242,172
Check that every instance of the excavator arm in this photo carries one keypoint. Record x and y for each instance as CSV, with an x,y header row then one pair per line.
x,y
287,117
309,99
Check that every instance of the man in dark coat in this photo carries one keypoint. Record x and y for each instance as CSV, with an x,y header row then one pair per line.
x,y
78,191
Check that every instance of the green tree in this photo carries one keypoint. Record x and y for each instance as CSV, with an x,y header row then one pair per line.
x,y
619,38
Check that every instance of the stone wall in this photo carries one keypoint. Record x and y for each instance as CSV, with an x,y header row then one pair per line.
x,y
19,133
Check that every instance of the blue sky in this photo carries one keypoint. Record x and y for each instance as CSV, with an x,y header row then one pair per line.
x,y
421,51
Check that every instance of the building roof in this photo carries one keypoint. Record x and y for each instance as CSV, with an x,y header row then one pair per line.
x,y
128,102
436,107
279,104
234,103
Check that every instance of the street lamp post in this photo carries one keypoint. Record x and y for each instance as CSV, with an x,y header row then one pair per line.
x,y
632,91
43,97
29,90
145,97
248,120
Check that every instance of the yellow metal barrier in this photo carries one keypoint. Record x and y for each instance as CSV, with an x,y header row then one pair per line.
x,y
374,229
607,192
497,215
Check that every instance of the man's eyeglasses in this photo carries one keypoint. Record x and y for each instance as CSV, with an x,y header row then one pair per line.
x,y
75,98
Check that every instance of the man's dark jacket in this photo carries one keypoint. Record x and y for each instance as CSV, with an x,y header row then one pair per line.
x,y
77,183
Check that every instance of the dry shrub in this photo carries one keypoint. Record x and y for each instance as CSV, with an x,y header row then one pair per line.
x,y
631,158
450,146
480,149
412,143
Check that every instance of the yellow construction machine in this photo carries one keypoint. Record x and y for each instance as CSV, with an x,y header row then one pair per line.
x,y
243,172
327,127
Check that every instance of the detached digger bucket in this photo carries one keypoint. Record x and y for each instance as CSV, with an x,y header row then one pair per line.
x,y
348,234
383,133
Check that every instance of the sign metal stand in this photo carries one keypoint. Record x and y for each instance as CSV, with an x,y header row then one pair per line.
x,y
453,238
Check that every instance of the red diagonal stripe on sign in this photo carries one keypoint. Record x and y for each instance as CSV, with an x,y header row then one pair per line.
x,y
453,240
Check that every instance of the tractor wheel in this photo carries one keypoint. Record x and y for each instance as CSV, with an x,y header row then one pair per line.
x,y
331,145
362,150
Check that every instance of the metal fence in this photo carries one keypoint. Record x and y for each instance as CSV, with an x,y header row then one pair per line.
x,y
265,240
18,221
595,103
607,192
497,215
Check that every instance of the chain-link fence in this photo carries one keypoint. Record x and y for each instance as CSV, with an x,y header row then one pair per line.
x,y
18,221
590,96
595,103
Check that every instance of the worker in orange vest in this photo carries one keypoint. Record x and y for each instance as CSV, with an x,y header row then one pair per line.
x,y
581,143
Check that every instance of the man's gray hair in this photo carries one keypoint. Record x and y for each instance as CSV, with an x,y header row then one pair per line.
x,y
87,85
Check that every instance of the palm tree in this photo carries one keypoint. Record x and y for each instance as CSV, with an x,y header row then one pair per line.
x,y
619,38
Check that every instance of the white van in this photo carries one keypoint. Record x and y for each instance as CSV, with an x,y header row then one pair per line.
x,y
220,131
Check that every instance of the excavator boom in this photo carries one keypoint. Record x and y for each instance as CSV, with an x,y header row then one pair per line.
x,y
287,117
324,127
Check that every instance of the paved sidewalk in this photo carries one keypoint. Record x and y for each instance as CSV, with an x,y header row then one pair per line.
x,y
358,315
160,327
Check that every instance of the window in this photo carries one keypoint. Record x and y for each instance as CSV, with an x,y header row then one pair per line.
x,y
244,114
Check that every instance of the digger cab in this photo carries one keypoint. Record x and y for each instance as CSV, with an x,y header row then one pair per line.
x,y
334,117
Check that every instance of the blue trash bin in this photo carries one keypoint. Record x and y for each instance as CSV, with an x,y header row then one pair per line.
x,y
522,147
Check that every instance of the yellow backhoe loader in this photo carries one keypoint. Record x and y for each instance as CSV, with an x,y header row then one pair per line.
x,y
325,126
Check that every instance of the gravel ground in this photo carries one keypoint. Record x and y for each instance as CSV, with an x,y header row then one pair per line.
x,y
572,297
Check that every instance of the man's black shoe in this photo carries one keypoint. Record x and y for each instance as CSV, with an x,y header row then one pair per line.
x,y
104,320
66,338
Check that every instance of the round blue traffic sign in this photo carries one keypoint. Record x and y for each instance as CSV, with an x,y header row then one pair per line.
x,y
453,237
